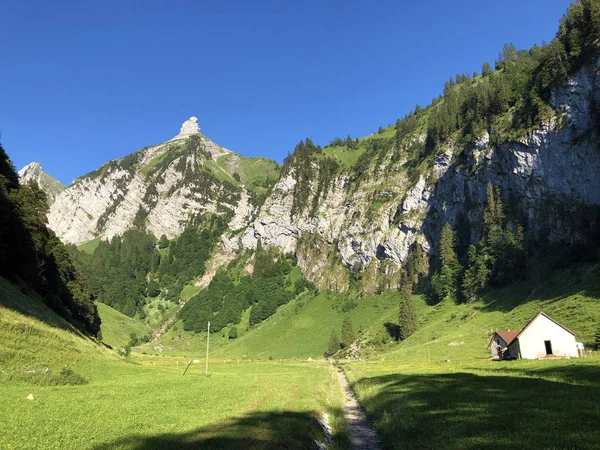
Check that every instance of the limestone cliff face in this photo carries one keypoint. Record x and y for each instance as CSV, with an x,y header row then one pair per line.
x,y
159,188
356,225
550,178
51,186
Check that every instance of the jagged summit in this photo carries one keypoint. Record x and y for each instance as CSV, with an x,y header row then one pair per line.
x,y
34,172
31,171
188,128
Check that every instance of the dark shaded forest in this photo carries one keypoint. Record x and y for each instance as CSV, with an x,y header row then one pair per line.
x,y
32,255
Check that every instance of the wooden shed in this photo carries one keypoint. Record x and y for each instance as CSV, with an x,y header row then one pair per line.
x,y
542,337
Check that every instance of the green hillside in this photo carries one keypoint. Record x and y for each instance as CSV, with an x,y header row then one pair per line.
x,y
89,246
51,185
257,174
451,331
37,345
302,328
117,328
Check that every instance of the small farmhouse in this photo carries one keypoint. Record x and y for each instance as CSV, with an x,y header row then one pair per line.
x,y
542,337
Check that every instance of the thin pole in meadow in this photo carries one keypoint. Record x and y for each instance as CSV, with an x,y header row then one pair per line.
x,y
428,355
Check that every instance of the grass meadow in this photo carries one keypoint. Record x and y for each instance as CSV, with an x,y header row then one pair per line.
x,y
88,397
482,404
436,389
150,404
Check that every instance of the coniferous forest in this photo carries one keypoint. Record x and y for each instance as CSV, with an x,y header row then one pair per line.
x,y
32,255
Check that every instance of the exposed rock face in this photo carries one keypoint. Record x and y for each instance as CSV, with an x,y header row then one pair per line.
x,y
51,186
189,128
550,177
159,188
364,225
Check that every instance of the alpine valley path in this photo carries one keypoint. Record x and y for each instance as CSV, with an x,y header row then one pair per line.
x,y
361,434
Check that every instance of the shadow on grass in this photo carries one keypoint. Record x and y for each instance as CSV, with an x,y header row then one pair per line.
x,y
469,411
581,372
25,301
260,430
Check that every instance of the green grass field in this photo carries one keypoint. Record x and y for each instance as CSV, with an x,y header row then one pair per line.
x,y
89,246
462,400
486,404
140,406
436,389
87,397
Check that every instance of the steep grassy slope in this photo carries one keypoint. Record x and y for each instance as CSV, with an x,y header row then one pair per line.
x,y
117,327
300,329
89,246
462,332
257,174
37,345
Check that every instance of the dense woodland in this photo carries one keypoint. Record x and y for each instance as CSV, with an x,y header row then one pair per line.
x,y
32,255
126,270
232,291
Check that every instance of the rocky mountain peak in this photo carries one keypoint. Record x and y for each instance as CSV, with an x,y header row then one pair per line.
x,y
31,171
34,172
188,128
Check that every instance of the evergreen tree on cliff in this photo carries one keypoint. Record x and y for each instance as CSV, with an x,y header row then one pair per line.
x,y
445,280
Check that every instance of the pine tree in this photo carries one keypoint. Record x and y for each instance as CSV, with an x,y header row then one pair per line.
x,y
407,320
476,276
486,69
445,281
334,342
163,242
348,336
493,215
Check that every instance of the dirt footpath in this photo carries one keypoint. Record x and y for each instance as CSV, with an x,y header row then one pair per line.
x,y
361,434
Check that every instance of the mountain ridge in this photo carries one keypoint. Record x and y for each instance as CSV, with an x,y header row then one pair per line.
x,y
161,188
50,185
354,211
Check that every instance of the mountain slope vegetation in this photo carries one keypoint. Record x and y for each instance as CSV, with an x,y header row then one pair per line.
x,y
31,254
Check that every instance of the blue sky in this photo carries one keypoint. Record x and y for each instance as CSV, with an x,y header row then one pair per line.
x,y
84,82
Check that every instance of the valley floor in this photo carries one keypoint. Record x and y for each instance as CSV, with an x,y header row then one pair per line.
x,y
151,405
480,405
437,389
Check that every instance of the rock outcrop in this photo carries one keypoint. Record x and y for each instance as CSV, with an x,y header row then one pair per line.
x,y
357,225
189,128
550,180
